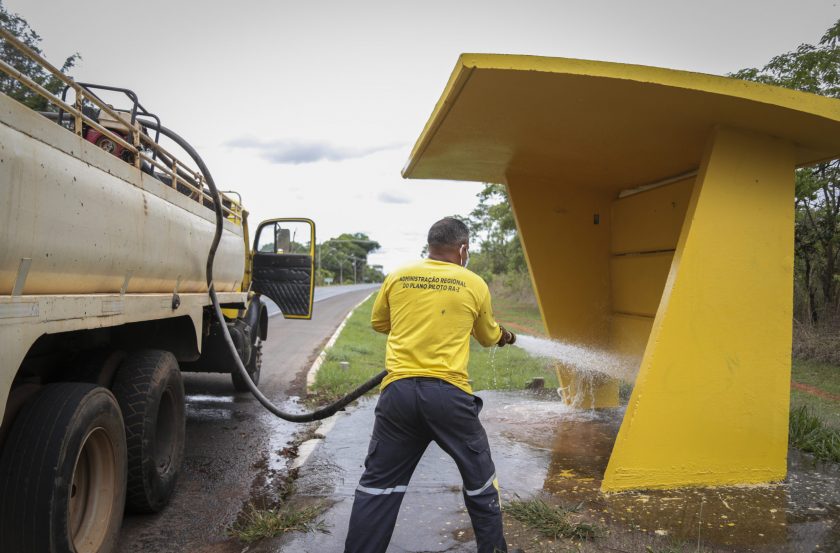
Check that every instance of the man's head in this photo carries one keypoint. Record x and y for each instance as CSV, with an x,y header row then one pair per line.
x,y
449,240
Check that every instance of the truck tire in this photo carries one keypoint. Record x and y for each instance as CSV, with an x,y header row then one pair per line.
x,y
150,392
254,367
96,366
63,473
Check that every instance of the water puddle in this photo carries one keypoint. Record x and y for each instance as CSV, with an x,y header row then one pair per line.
x,y
282,437
800,514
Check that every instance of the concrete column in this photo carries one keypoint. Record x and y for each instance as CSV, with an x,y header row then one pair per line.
x,y
710,404
565,232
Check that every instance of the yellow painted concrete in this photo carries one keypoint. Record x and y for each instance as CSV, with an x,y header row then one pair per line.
x,y
650,221
637,282
629,334
655,209
599,124
589,391
572,260
710,405
644,235
574,293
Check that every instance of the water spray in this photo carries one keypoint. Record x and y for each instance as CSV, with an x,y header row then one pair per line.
x,y
581,358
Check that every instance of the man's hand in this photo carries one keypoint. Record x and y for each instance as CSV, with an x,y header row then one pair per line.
x,y
507,337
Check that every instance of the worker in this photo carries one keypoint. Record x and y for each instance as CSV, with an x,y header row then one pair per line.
x,y
429,309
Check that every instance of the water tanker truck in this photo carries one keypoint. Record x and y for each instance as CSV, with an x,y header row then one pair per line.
x,y
104,241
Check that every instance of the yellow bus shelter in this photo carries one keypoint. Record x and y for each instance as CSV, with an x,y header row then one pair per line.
x,y
656,212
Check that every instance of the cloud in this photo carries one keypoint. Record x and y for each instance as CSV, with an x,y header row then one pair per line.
x,y
295,152
393,198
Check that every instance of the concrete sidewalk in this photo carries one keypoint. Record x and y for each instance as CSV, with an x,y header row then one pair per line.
x,y
432,517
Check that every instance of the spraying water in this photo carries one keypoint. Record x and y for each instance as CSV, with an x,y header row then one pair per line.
x,y
493,364
580,358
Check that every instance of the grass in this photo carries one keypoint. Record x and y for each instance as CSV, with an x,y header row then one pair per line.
x,y
361,347
550,521
823,376
827,410
520,318
256,524
364,350
515,305
810,434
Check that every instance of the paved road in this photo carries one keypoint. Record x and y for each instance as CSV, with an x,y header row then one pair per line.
x,y
322,293
233,445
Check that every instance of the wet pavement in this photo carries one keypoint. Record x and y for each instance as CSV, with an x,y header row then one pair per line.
x,y
236,452
323,293
544,448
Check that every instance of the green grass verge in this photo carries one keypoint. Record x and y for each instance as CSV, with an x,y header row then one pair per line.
x,y
550,521
824,377
520,317
808,433
361,347
256,524
364,350
827,410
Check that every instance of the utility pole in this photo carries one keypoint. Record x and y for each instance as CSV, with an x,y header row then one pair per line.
x,y
354,259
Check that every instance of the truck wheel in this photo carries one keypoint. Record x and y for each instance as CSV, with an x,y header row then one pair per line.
x,y
254,366
150,392
63,473
96,366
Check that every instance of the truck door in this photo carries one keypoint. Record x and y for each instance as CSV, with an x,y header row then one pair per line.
x,y
283,266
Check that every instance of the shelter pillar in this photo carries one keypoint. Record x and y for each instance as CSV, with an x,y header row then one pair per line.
x,y
565,232
710,403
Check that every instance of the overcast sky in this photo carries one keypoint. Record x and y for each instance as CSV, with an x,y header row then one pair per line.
x,y
311,108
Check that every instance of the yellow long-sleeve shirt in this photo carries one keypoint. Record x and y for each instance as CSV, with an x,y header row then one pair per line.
x,y
429,310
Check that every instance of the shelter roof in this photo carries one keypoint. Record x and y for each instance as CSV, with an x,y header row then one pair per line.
x,y
609,125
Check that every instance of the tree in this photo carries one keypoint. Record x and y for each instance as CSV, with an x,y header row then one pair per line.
x,y
494,236
815,69
18,26
346,255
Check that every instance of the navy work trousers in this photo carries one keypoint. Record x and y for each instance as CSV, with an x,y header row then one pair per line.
x,y
411,413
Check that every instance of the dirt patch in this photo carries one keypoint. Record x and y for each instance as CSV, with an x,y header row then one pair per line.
x,y
814,391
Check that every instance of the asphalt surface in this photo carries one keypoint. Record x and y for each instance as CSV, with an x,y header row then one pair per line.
x,y
322,293
235,450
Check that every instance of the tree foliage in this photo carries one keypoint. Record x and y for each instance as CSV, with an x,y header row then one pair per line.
x,y
345,255
495,242
813,68
11,55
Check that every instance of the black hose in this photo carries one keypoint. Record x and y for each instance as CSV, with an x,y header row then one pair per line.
x,y
319,414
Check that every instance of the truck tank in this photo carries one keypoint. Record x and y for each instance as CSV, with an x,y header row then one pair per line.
x,y
70,227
